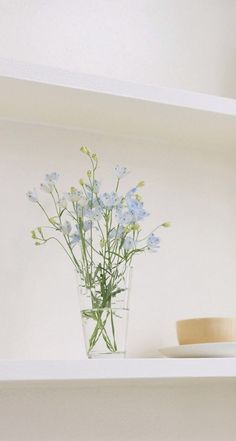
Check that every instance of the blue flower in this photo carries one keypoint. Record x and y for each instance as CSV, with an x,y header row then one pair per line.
x,y
93,214
121,171
130,193
138,214
133,204
32,196
110,200
52,178
89,195
47,188
62,202
79,210
87,225
75,238
129,243
153,242
124,217
75,196
116,233
96,186
66,227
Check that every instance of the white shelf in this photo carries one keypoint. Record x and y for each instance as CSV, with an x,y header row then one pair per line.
x,y
84,371
131,399
37,94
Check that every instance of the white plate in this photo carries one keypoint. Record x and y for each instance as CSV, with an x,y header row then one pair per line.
x,y
204,350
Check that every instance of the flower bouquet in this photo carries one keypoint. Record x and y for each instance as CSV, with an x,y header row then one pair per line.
x,y
100,232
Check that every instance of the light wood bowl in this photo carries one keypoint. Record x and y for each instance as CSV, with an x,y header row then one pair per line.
x,y
206,330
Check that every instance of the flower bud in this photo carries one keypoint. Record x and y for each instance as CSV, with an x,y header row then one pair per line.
x,y
136,227
52,220
94,157
85,150
89,173
40,231
128,228
33,234
166,224
140,184
81,181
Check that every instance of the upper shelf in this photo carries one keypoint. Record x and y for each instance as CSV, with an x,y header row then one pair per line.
x,y
126,369
38,94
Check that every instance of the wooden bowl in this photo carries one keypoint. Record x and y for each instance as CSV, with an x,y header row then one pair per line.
x,y
206,330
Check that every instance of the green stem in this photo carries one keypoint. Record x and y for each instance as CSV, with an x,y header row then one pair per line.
x,y
100,330
58,241
113,331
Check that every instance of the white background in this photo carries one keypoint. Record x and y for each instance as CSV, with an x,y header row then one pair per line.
x,y
174,43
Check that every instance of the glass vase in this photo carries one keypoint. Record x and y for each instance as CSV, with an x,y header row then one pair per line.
x,y
104,305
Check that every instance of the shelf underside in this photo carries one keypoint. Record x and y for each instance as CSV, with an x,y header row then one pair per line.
x,y
118,411
34,102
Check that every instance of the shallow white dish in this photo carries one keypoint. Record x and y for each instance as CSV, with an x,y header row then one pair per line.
x,y
203,350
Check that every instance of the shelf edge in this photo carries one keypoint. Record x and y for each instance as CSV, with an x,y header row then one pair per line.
x,y
109,86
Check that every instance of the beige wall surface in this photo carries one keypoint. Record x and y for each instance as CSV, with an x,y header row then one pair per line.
x,y
193,274
184,44
184,412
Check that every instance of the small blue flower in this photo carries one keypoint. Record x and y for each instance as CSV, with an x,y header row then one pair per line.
x,y
74,196
47,188
153,242
89,195
32,196
74,238
52,178
87,225
130,193
121,171
66,227
110,200
124,217
138,214
96,186
135,206
62,202
129,243
80,210
116,233
93,214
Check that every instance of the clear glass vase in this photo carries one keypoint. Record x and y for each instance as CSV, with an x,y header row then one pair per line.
x,y
104,305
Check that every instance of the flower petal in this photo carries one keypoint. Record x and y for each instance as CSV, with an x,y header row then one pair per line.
x,y
121,171
32,196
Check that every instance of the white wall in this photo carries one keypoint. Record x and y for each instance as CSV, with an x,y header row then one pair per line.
x,y
184,44
192,275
